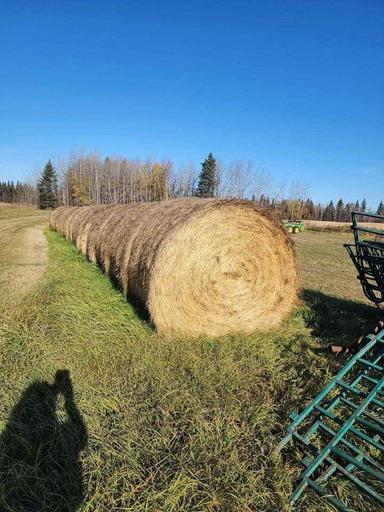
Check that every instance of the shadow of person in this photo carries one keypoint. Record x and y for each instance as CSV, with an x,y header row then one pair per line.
x,y
40,447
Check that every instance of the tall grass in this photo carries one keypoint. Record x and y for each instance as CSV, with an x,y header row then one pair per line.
x,y
172,424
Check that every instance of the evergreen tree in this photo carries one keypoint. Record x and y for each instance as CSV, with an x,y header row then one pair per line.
x,y
357,206
349,207
308,209
339,210
48,187
330,212
380,209
208,177
364,205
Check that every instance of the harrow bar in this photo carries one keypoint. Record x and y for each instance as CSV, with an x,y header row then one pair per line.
x,y
341,432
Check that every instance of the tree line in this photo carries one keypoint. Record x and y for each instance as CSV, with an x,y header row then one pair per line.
x,y
89,179
306,209
85,179
18,193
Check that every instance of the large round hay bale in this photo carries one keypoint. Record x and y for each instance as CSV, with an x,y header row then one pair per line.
x,y
200,266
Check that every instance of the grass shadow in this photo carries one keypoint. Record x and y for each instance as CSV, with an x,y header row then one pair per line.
x,y
336,321
40,446
140,311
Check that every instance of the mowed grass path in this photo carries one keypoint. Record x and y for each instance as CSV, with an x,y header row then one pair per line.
x,y
152,424
22,250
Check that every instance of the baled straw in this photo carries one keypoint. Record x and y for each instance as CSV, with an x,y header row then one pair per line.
x,y
200,266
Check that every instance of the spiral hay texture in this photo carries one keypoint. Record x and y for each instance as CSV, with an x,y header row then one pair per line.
x,y
200,266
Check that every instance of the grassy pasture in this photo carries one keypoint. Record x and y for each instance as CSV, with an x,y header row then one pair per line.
x,y
150,423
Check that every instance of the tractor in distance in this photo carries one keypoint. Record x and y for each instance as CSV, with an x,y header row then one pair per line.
x,y
294,225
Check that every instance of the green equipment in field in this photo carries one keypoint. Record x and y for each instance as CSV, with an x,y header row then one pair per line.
x,y
367,254
340,433
294,226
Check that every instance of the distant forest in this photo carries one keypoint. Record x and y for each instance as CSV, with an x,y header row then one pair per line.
x,y
89,179
18,193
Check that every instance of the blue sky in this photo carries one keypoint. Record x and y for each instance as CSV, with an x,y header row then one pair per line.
x,y
295,86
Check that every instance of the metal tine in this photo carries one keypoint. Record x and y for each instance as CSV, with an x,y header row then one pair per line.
x,y
306,442
334,466
331,385
371,365
341,432
299,490
352,428
347,443
372,441
357,463
366,413
378,402
335,401
371,426
311,447
330,415
373,381
359,483
369,379
358,392
350,388
321,491
371,356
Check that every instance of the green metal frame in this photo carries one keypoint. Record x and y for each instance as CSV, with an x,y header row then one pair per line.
x,y
341,432
368,256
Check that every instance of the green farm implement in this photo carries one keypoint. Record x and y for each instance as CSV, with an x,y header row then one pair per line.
x,y
294,226
340,434
367,254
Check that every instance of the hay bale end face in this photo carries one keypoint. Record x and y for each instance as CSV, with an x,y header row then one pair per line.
x,y
200,266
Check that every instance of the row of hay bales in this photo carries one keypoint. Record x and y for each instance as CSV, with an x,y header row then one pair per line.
x,y
200,266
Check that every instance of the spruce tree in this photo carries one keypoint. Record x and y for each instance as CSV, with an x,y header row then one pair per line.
x,y
339,210
48,187
330,212
380,209
207,179
364,205
347,211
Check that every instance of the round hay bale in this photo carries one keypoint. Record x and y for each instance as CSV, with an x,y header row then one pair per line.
x,y
200,266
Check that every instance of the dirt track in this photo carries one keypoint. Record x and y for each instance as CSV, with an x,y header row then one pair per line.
x,y
23,251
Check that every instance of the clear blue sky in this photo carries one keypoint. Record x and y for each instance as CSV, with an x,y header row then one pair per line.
x,y
295,86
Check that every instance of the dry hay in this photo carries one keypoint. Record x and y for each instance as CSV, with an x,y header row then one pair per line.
x,y
201,266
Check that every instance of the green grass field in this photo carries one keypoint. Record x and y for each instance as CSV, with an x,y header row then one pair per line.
x,y
150,423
